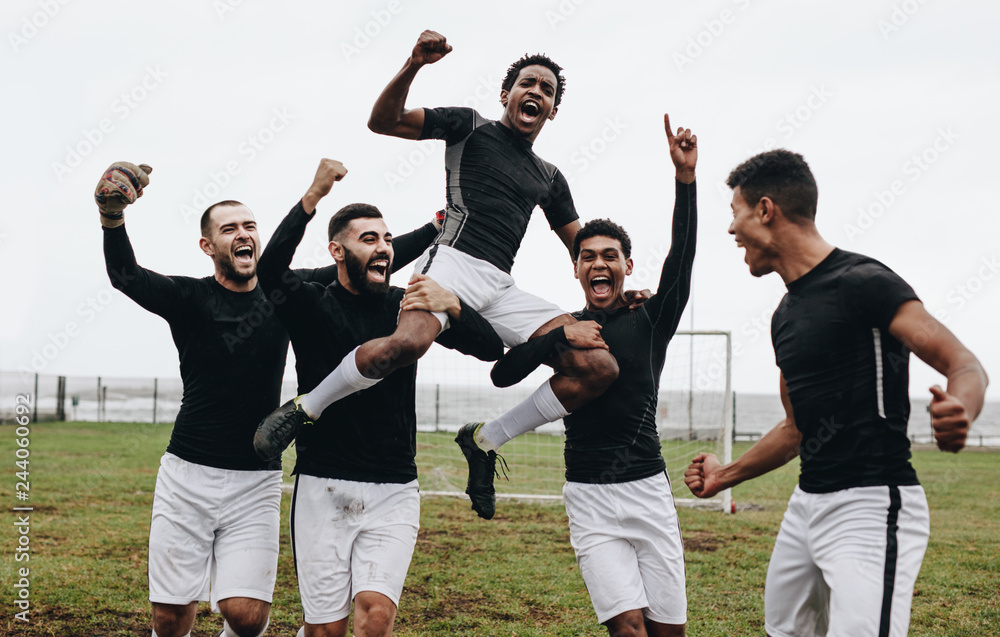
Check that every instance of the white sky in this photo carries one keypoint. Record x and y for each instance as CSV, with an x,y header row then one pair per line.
x,y
185,86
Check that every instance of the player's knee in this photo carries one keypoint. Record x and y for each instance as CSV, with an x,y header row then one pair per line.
x,y
173,619
375,618
247,617
626,625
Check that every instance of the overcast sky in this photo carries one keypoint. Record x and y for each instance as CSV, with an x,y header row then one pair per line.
x,y
892,102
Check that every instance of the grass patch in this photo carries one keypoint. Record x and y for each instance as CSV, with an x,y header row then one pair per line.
x,y
92,484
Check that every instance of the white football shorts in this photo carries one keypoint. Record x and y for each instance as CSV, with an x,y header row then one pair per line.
x,y
628,545
350,537
513,313
213,533
844,563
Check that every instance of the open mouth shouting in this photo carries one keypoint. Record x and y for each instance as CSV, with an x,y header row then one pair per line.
x,y
530,110
244,254
378,268
601,286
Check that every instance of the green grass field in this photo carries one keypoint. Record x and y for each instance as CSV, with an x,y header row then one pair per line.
x,y
91,489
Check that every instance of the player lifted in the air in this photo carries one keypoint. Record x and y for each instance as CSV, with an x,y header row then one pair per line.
x,y
622,520
494,181
856,528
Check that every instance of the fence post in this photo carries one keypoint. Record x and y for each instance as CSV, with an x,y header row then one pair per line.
x,y
98,399
34,417
104,403
734,417
155,382
61,399
437,407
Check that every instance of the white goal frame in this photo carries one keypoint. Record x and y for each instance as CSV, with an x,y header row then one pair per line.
x,y
722,501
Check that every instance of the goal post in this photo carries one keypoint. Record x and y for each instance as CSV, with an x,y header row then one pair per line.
x,y
694,414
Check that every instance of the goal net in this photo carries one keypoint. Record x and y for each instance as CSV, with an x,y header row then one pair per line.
x,y
694,414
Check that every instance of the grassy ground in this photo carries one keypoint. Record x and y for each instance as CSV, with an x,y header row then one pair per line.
x,y
91,490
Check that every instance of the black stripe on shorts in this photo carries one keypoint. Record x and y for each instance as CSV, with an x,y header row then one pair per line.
x,y
891,555
430,258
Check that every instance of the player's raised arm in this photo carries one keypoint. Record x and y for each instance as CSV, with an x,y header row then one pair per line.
x,y
683,151
953,409
390,115
674,289
705,476
273,268
121,184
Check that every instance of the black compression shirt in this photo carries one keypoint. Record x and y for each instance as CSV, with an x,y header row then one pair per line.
x,y
613,439
369,436
231,346
494,182
232,352
847,376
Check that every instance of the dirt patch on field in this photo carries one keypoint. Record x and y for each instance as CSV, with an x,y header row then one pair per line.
x,y
700,541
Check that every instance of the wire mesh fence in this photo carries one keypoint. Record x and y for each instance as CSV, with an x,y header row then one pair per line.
x,y
445,400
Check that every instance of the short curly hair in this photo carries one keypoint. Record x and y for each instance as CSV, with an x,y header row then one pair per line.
x,y
783,176
602,228
531,60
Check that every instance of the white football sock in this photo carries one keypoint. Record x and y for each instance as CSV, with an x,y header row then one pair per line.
x,y
341,382
534,411
302,632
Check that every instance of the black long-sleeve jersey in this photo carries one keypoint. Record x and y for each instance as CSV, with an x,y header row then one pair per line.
x,y
231,348
847,376
494,182
369,436
613,439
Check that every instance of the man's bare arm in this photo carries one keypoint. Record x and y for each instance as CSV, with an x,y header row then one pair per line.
x,y
953,409
705,476
390,115
567,234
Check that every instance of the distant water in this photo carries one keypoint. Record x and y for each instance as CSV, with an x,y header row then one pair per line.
x,y
446,406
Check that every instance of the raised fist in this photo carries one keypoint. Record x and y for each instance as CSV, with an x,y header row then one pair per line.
x,y
431,47
120,185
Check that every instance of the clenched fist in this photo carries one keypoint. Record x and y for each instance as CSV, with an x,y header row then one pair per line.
x,y
121,185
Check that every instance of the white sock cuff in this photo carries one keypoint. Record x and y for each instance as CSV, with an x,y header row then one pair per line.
x,y
302,632
353,375
547,403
